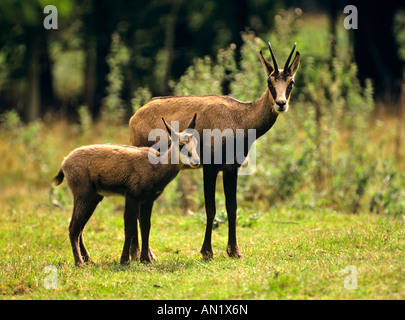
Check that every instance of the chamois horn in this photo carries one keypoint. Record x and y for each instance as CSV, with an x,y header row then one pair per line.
x,y
274,59
285,70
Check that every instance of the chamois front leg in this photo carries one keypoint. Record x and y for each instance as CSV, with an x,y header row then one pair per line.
x,y
131,244
230,183
210,176
145,215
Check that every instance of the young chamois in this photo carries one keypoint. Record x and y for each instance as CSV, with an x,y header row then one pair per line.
x,y
223,113
98,170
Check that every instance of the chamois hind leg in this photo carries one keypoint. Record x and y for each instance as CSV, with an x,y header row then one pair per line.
x,y
230,182
131,244
83,208
83,250
145,215
210,176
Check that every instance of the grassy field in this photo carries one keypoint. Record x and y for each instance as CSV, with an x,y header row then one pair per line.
x,y
288,254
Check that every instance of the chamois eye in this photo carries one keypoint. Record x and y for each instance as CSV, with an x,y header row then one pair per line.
x,y
291,84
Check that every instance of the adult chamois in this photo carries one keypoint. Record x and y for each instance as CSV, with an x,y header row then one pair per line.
x,y
221,113
140,174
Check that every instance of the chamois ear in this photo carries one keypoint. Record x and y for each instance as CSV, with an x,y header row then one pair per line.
x,y
292,69
268,68
191,125
168,128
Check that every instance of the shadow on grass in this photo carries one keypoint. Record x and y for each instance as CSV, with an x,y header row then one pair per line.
x,y
165,264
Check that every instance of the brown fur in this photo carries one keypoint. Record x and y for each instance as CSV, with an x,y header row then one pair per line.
x,y
219,112
114,169
98,170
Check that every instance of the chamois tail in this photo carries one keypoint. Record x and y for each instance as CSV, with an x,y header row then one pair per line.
x,y
58,178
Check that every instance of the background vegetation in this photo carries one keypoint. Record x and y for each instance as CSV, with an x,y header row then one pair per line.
x,y
47,71
329,186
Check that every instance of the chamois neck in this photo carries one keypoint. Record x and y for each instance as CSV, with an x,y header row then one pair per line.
x,y
261,115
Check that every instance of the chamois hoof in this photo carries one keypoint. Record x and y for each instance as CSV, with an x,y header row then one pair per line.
x,y
234,252
207,255
87,260
146,258
151,255
124,262
79,264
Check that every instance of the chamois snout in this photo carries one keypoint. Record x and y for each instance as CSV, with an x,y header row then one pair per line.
x,y
282,105
188,152
194,163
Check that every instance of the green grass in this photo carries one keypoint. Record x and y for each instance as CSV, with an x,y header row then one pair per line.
x,y
288,254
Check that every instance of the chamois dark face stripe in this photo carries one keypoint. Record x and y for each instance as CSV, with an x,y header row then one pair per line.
x,y
288,92
271,88
289,88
